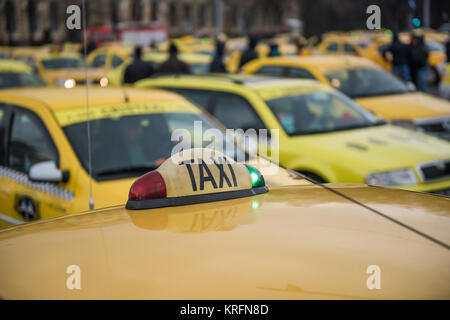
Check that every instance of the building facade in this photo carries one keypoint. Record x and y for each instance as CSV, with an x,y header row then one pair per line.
x,y
40,21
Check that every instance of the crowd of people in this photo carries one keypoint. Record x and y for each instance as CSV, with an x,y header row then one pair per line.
x,y
410,62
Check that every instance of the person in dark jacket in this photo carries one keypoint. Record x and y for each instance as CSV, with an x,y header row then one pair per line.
x,y
174,65
419,62
274,50
400,55
249,54
217,64
138,69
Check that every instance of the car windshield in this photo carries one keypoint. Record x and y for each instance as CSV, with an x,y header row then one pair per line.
x,y
199,68
128,146
319,112
63,63
19,79
365,82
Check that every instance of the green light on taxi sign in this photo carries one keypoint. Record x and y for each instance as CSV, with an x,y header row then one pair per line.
x,y
257,178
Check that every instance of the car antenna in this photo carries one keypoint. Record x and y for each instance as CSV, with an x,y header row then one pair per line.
x,y
91,198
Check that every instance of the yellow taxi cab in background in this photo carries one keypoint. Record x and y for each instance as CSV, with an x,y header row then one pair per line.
x,y
184,235
340,45
198,64
322,133
109,57
372,87
61,68
14,74
44,158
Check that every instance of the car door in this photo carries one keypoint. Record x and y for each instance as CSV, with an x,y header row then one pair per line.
x,y
29,143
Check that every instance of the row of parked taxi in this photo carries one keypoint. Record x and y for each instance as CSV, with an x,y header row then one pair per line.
x,y
220,225
339,118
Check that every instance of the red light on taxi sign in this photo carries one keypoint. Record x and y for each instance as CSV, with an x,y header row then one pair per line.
x,y
201,176
150,186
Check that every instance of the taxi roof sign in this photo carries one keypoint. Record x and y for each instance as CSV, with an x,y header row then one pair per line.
x,y
195,176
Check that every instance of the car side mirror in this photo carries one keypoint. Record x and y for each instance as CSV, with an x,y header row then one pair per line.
x,y
46,171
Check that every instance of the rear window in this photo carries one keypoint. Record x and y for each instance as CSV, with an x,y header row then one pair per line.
x,y
63,63
19,79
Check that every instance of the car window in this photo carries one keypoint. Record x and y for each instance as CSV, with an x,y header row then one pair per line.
x,y
299,73
32,64
332,47
116,61
235,112
19,79
140,141
275,71
349,48
365,82
199,68
99,60
319,112
30,142
63,63
200,97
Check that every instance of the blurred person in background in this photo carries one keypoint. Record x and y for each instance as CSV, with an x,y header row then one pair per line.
x,y
138,69
217,64
90,45
400,56
173,65
250,53
274,50
419,62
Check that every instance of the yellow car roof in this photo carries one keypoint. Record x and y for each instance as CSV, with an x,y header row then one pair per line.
x,y
300,242
57,98
14,66
252,82
324,62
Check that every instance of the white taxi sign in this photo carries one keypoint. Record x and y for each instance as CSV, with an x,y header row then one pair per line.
x,y
195,176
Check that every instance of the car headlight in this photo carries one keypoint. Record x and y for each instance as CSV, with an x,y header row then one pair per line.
x,y
66,83
403,177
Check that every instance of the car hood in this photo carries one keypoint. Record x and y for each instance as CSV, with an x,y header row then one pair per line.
x,y
301,242
408,106
377,148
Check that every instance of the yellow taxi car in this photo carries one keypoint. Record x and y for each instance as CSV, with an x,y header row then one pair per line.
x,y
61,68
372,87
176,240
341,45
109,57
44,163
15,74
198,64
322,133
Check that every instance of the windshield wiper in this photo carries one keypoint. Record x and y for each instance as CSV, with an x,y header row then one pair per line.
x,y
128,169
